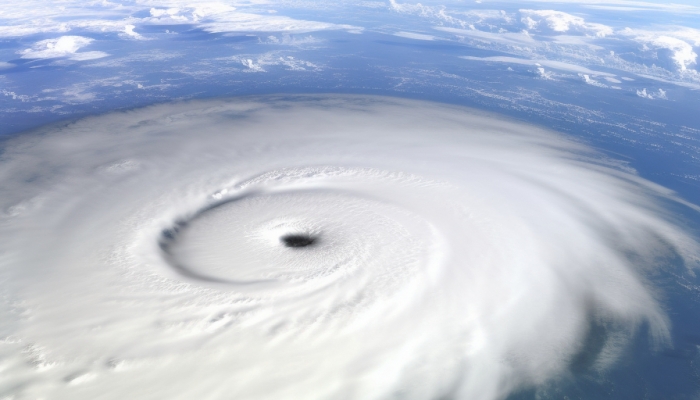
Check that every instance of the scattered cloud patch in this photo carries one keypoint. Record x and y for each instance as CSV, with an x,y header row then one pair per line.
x,y
252,66
15,96
592,81
661,94
612,80
6,65
292,40
545,74
547,63
259,63
436,13
298,65
64,46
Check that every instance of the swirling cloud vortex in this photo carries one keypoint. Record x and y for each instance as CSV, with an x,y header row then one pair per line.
x,y
318,247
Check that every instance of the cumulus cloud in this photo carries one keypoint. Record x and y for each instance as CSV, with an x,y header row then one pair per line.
x,y
252,66
64,46
660,94
319,247
676,42
559,21
129,31
683,54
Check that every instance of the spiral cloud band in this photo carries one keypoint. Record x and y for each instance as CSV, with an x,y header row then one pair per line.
x,y
318,247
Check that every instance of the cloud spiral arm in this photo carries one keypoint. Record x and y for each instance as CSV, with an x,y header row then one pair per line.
x,y
448,253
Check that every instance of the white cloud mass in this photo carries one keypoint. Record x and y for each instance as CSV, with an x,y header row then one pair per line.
x,y
64,46
33,16
454,253
676,41
559,21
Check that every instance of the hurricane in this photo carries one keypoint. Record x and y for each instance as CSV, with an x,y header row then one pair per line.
x,y
321,247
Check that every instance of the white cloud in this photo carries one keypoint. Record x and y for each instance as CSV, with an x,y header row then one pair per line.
x,y
218,17
258,63
612,80
129,31
436,13
676,41
290,40
683,53
570,38
35,16
559,21
548,63
6,65
64,46
15,96
545,74
592,81
643,93
689,34
252,66
661,94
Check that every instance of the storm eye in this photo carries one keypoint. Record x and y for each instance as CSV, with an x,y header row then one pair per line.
x,y
298,240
